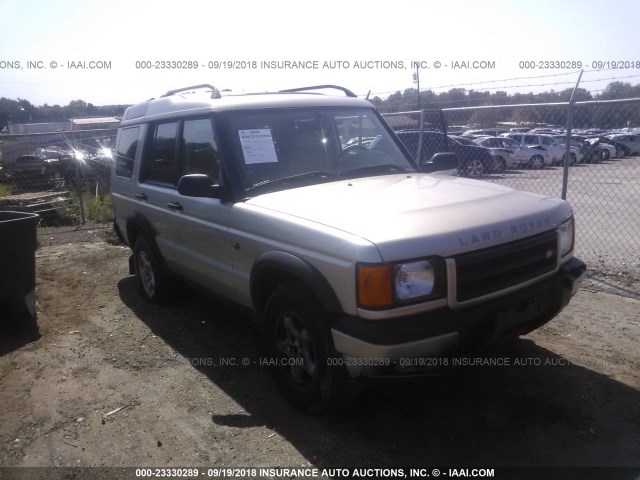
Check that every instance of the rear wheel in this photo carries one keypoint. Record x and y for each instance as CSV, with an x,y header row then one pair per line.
x,y
153,279
300,351
536,162
473,168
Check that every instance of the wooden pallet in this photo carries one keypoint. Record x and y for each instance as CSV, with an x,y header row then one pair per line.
x,y
36,202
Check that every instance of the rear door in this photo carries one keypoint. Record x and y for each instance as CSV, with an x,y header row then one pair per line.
x,y
156,189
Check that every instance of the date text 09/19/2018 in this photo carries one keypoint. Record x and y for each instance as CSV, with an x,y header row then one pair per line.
x,y
578,64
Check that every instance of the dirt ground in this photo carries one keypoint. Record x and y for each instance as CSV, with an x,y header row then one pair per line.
x,y
113,381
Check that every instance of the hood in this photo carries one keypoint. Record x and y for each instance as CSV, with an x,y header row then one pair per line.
x,y
409,216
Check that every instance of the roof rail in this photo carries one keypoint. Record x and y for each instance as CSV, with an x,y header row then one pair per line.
x,y
215,93
346,91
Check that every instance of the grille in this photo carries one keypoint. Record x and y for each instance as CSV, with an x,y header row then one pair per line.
x,y
493,269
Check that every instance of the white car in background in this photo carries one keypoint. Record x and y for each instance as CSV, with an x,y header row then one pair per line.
x,y
556,150
511,154
630,141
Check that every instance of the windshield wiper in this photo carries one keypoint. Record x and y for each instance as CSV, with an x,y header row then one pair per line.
x,y
372,169
299,178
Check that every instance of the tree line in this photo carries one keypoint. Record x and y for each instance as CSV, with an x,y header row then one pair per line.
x,y
22,111
606,116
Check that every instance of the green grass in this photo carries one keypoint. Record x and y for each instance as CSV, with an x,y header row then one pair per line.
x,y
5,190
98,209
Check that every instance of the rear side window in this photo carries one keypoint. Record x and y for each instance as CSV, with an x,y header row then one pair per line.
x,y
531,140
126,151
162,163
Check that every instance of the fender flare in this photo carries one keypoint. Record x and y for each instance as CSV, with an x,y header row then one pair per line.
x,y
281,262
140,222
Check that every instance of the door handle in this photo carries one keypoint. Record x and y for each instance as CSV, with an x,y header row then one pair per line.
x,y
174,206
141,196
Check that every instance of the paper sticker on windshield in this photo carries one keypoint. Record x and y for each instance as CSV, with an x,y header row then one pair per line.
x,y
258,146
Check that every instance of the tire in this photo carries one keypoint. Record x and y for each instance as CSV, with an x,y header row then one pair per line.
x,y
536,162
500,164
605,155
296,330
573,159
473,168
154,281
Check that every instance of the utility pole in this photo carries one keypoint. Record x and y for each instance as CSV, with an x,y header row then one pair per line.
x,y
416,80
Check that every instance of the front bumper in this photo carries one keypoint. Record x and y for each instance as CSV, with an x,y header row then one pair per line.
x,y
382,347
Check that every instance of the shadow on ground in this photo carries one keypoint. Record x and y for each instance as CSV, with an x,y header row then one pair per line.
x,y
535,409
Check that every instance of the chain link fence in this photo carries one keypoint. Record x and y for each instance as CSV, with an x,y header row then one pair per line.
x,y
65,177
585,152
62,177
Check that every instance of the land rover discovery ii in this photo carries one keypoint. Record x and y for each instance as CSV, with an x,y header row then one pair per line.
x,y
306,209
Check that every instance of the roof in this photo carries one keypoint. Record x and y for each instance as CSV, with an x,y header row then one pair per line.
x,y
94,120
28,128
194,103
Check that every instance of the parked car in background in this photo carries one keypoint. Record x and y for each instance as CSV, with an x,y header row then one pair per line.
x,y
486,132
621,149
511,154
594,151
33,172
556,151
499,164
475,161
632,142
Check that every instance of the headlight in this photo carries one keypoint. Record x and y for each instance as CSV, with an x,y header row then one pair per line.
x,y
383,285
413,280
566,233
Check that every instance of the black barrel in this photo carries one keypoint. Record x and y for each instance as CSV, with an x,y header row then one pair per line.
x,y
18,243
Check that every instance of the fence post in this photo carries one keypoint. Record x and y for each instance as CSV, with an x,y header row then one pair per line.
x,y
567,150
419,152
79,191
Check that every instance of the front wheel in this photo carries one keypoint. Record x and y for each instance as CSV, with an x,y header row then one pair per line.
x,y
300,349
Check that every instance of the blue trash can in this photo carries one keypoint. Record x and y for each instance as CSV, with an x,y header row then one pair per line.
x,y
18,243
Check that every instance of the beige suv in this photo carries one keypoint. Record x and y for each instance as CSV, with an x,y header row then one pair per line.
x,y
306,209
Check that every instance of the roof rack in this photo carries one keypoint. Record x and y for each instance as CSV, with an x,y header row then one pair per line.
x,y
215,93
346,91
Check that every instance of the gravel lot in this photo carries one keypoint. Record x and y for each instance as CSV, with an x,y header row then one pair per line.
x,y
112,381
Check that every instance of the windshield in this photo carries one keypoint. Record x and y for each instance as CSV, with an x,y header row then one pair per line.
x,y
280,149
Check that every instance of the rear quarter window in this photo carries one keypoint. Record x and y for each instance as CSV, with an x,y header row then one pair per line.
x,y
126,151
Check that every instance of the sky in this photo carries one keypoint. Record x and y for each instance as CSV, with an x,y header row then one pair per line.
x,y
368,46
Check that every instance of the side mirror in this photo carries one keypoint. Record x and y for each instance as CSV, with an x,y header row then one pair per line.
x,y
440,162
198,185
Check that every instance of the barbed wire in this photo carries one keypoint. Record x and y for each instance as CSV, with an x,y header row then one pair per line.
x,y
504,87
